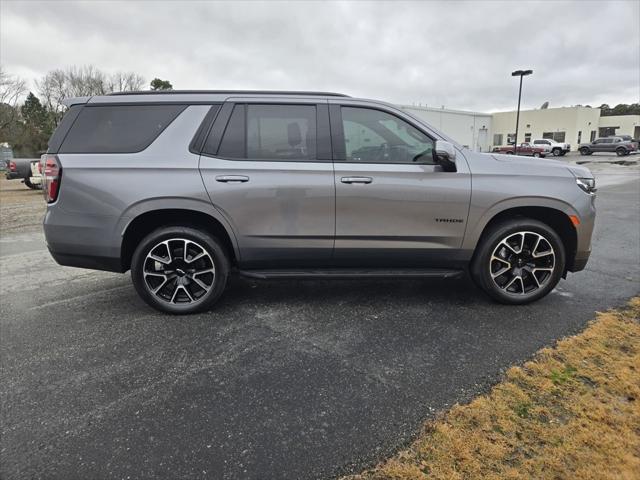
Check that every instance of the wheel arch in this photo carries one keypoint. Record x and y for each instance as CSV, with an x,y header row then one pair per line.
x,y
150,220
555,218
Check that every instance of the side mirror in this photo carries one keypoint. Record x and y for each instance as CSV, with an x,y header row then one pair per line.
x,y
446,155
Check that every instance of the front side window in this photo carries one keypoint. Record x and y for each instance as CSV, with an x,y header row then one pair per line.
x,y
118,128
373,136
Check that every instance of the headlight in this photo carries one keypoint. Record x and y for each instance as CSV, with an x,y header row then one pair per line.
x,y
587,184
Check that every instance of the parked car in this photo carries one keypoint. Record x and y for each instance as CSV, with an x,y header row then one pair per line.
x,y
21,168
184,187
556,148
36,173
608,144
629,138
524,149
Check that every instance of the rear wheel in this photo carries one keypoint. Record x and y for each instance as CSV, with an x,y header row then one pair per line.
x,y
32,186
519,261
536,154
584,151
179,270
621,151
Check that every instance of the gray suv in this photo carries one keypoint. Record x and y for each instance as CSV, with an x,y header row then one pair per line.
x,y
181,188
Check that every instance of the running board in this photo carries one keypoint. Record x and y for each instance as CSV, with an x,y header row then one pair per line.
x,y
353,273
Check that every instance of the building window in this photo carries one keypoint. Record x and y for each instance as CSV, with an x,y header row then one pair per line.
x,y
497,139
579,136
527,137
593,135
555,136
511,138
608,131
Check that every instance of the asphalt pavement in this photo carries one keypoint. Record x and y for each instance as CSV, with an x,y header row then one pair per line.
x,y
284,379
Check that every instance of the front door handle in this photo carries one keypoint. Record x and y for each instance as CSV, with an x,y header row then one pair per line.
x,y
232,178
356,179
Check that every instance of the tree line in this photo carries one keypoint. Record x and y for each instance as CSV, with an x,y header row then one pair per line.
x,y
26,125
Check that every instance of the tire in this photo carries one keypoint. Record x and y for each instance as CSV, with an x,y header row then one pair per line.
x,y
499,250
556,152
563,153
621,152
32,186
190,285
509,153
585,151
536,154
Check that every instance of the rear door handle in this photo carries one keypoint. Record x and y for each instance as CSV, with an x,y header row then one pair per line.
x,y
356,179
232,178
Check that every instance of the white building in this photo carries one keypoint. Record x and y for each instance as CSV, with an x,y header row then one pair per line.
x,y
573,125
619,125
482,131
471,129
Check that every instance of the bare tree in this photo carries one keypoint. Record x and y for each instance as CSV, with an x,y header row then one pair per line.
x,y
125,82
83,81
11,89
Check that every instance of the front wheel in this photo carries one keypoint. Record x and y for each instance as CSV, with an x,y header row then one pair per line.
x,y
584,151
179,270
536,154
557,152
519,261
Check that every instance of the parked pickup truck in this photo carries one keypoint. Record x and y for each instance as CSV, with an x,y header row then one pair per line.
x,y
556,148
609,144
524,149
26,169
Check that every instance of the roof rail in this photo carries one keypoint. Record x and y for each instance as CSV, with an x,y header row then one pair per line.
x,y
231,92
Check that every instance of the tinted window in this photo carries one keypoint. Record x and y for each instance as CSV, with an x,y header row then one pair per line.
x,y
373,136
118,129
281,132
233,141
63,127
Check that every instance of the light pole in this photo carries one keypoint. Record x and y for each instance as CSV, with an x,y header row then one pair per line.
x,y
519,73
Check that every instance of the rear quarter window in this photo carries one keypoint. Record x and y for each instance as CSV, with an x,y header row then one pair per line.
x,y
118,128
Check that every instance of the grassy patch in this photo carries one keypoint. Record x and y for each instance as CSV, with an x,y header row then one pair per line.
x,y
572,412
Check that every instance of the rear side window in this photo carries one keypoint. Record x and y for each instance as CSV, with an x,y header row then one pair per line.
x,y
118,128
269,132
281,132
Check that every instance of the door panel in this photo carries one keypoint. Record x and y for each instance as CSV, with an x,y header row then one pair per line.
x,y
282,213
407,215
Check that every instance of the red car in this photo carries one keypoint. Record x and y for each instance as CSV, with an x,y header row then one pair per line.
x,y
525,149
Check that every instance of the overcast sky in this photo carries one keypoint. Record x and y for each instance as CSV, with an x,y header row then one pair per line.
x,y
457,54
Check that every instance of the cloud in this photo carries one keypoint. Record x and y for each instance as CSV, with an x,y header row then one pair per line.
x,y
457,54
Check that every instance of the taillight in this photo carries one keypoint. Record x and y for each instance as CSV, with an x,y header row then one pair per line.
x,y
52,177
12,166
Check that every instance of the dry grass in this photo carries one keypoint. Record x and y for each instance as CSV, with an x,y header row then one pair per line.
x,y
21,208
571,413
